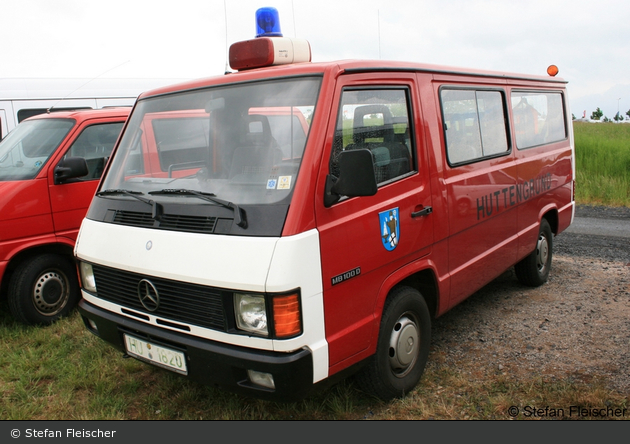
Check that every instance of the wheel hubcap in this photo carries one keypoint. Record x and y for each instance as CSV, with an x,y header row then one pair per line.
x,y
50,293
542,253
403,346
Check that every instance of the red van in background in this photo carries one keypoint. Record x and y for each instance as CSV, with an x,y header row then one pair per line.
x,y
50,166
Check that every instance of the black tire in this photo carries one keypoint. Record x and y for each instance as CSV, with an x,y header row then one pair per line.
x,y
403,346
43,289
533,271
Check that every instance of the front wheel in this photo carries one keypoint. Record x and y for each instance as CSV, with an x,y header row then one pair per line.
x,y
534,270
43,289
403,346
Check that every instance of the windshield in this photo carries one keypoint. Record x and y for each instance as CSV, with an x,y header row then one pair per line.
x,y
26,149
242,143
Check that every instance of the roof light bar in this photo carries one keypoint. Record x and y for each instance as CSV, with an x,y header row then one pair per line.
x,y
269,47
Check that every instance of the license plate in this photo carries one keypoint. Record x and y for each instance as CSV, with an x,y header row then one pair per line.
x,y
156,354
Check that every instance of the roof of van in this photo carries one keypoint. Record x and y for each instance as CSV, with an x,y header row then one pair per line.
x,y
347,66
84,114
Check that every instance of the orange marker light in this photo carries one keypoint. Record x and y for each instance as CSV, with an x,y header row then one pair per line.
x,y
286,316
552,70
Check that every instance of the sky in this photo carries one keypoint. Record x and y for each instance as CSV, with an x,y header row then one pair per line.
x,y
189,39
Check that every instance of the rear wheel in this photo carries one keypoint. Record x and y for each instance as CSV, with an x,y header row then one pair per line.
x,y
43,289
534,269
402,349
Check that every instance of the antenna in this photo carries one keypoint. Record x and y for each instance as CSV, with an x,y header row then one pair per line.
x,y
92,79
293,14
227,70
378,15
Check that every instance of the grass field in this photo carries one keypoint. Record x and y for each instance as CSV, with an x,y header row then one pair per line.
x,y
63,372
602,153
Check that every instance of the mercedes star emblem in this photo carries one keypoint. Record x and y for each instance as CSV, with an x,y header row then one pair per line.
x,y
148,294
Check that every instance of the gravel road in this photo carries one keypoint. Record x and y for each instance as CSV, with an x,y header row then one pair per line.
x,y
575,326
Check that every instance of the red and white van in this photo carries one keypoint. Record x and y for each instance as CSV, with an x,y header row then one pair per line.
x,y
269,267
50,166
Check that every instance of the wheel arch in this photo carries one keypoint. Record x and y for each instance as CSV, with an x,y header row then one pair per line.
x,y
551,214
419,275
61,248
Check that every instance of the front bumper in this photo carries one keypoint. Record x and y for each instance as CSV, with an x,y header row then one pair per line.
x,y
210,362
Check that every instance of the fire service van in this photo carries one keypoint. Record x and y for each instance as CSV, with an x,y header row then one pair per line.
x,y
50,165
279,227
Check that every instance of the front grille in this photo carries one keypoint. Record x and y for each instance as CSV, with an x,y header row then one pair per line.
x,y
182,302
175,222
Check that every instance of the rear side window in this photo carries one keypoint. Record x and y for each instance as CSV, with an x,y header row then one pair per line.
x,y
475,124
377,120
539,118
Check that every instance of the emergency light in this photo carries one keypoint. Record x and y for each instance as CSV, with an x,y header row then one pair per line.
x,y
269,47
268,23
552,70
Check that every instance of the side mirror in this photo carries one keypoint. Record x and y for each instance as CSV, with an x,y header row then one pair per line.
x,y
70,168
356,177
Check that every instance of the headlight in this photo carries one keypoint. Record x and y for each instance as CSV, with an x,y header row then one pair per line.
x,y
87,277
251,313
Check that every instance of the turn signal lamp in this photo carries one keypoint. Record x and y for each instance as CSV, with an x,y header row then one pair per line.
x,y
286,316
269,47
552,70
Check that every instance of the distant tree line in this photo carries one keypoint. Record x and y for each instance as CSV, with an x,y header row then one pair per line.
x,y
598,114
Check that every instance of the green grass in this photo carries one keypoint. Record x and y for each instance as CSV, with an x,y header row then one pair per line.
x,y
602,154
63,372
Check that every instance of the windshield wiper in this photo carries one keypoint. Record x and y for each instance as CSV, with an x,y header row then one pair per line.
x,y
239,214
156,212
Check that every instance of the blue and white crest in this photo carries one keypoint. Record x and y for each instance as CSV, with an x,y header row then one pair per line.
x,y
390,228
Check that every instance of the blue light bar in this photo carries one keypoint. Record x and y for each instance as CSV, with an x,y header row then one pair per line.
x,y
268,23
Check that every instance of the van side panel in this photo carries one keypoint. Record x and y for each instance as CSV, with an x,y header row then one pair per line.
x,y
433,136
545,169
545,184
24,209
481,216
483,239
24,215
355,259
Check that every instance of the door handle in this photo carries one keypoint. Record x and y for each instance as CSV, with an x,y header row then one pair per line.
x,y
423,212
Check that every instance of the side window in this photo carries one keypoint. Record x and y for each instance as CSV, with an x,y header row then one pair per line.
x,y
474,124
377,120
539,118
95,144
29,112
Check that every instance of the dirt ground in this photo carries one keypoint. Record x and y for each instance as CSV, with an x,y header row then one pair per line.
x,y
576,325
